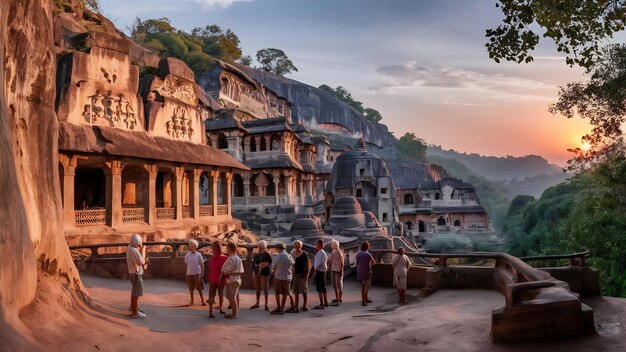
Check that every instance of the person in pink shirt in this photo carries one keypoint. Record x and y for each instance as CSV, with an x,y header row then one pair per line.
x,y
216,281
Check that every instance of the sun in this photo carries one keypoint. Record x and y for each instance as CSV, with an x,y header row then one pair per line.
x,y
585,146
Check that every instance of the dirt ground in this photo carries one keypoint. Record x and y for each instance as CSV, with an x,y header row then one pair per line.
x,y
450,320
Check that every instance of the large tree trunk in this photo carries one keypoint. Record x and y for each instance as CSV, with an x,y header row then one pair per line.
x,y
31,235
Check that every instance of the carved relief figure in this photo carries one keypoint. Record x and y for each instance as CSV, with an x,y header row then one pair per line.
x,y
112,109
180,125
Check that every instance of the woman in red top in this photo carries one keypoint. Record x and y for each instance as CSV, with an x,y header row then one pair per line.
x,y
216,282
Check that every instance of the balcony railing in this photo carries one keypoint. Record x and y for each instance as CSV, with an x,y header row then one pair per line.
x,y
222,209
206,210
90,217
165,213
133,214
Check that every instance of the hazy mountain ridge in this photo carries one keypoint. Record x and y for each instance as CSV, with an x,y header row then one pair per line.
x,y
499,168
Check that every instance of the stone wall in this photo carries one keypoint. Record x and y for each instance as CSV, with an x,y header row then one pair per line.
x,y
31,235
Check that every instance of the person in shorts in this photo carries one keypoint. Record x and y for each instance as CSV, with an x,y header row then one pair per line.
x,y
136,264
216,281
300,282
336,271
195,271
320,264
364,262
282,268
232,270
401,265
261,273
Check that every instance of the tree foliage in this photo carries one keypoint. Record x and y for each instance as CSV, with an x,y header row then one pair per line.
x,y
601,100
587,213
372,115
412,147
197,49
275,61
342,94
578,27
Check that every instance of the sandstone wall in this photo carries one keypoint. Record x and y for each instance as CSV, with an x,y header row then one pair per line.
x,y
31,236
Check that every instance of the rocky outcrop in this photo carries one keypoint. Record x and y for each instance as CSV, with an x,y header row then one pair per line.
x,y
32,243
312,106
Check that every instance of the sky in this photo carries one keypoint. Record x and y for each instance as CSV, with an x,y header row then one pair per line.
x,y
421,63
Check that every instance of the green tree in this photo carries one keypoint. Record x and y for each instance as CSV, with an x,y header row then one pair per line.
x,y
275,61
342,94
373,115
412,147
578,27
246,60
223,45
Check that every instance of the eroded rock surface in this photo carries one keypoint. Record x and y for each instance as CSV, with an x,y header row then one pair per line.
x,y
31,237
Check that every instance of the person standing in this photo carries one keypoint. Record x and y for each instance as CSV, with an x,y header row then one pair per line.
x,y
320,264
300,282
364,262
216,281
282,268
135,254
261,273
336,271
232,270
401,265
195,271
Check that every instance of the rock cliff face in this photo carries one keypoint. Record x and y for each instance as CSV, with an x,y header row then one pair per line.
x,y
312,106
32,244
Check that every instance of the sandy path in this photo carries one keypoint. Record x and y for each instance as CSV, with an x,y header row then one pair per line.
x,y
450,320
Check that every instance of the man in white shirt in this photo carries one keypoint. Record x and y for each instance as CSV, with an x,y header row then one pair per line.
x,y
282,268
320,264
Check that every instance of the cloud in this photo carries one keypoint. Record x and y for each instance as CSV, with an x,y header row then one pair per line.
x,y
458,86
219,3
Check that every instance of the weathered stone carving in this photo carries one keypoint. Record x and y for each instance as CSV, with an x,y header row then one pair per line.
x,y
180,125
179,88
113,109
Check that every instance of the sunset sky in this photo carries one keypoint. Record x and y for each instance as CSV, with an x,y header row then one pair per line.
x,y
422,64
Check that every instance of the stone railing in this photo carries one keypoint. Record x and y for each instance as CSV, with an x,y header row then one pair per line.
x,y
186,211
239,200
222,209
206,210
534,299
165,213
133,214
90,217
268,200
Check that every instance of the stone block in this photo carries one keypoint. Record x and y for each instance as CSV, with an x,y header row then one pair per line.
x,y
100,40
175,67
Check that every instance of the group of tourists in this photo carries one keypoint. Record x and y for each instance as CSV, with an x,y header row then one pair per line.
x,y
291,273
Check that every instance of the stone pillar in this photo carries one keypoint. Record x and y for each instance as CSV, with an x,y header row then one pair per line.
x,y
194,193
257,141
246,144
177,192
113,173
149,193
268,145
246,187
229,192
67,180
213,181
276,179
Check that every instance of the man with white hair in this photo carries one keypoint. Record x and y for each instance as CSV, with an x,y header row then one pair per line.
x,y
195,271
135,255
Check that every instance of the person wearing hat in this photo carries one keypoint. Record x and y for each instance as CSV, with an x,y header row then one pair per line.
x,y
195,271
137,262
282,267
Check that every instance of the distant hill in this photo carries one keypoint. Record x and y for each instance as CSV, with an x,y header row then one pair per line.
x,y
499,168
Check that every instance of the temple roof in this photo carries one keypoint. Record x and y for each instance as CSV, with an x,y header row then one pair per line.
x,y
276,124
283,161
117,142
223,123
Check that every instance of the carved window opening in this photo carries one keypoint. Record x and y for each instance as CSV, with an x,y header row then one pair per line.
x,y
361,172
420,226
457,223
237,186
437,196
408,199
253,145
383,191
222,142
441,221
385,217
89,189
